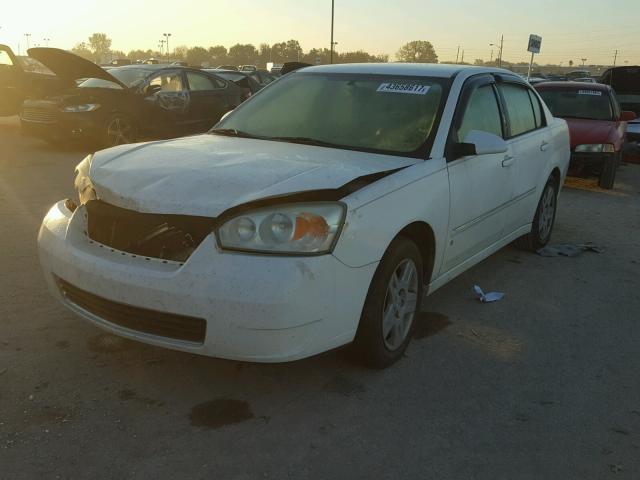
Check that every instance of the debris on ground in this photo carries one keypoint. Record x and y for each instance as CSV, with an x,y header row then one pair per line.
x,y
568,250
487,297
615,468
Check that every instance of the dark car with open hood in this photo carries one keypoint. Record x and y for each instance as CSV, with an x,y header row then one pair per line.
x,y
597,126
118,105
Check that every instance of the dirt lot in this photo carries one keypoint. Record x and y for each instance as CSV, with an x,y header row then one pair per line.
x,y
542,385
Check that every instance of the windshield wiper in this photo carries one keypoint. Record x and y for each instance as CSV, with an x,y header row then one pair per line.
x,y
306,141
231,132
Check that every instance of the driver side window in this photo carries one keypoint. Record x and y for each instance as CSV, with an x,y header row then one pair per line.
x,y
168,82
482,113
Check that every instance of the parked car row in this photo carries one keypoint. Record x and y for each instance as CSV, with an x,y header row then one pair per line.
x,y
597,125
108,106
603,116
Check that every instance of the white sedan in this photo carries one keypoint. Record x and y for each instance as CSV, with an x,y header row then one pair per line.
x,y
317,214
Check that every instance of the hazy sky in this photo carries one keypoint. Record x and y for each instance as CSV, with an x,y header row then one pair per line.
x,y
571,29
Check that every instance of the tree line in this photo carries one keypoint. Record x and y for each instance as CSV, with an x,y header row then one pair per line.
x,y
98,49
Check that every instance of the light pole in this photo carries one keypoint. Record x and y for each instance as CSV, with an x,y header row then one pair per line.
x,y
500,52
46,40
161,45
27,35
167,35
584,60
332,18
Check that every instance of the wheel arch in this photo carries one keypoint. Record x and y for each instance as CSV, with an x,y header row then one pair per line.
x,y
422,234
556,175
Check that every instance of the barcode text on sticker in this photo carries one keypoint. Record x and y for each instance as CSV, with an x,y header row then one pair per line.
x,y
410,88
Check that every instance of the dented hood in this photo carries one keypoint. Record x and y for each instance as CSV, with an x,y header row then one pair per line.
x,y
205,175
69,66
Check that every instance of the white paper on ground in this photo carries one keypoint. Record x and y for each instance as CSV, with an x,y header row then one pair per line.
x,y
487,297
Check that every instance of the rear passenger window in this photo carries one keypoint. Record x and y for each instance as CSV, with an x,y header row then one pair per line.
x,y
482,113
519,109
537,109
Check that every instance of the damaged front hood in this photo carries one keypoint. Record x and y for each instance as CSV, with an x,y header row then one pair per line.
x,y
205,175
69,66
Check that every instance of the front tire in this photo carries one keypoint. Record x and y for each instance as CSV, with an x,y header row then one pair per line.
x,y
544,220
119,129
394,299
608,175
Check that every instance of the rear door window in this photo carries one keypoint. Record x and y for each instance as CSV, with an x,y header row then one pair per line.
x,y
519,109
537,109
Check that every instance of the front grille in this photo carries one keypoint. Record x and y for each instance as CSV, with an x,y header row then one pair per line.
x,y
38,114
162,324
167,237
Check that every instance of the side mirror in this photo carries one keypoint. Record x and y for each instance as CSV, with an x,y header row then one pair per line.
x,y
628,116
480,143
152,89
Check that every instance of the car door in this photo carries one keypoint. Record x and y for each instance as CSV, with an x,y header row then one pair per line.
x,y
209,100
11,84
480,186
530,139
166,109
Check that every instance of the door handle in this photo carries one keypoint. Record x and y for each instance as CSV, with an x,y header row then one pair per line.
x,y
508,161
543,146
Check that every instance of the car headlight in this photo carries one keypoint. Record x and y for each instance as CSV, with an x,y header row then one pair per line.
x,y
83,184
296,229
85,107
596,148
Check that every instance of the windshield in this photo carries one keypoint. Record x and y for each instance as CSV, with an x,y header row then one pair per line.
x,y
384,114
587,104
129,76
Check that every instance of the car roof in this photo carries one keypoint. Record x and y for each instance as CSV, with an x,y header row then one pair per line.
x,y
220,70
408,69
573,86
150,67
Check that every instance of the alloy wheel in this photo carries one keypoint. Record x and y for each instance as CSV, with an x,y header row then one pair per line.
x,y
547,213
400,304
119,132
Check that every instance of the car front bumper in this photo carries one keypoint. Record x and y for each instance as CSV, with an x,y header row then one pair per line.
x,y
591,162
256,307
60,126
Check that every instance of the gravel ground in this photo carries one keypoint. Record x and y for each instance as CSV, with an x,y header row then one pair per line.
x,y
542,385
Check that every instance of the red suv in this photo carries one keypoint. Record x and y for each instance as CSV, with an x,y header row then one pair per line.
x,y
596,124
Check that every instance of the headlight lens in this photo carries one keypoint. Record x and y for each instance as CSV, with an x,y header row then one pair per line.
x,y
85,107
596,148
83,184
310,228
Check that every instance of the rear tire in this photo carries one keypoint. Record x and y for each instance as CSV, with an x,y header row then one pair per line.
x,y
394,299
608,176
543,221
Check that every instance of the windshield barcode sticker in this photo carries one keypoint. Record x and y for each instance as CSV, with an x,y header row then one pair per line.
x,y
410,88
596,93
